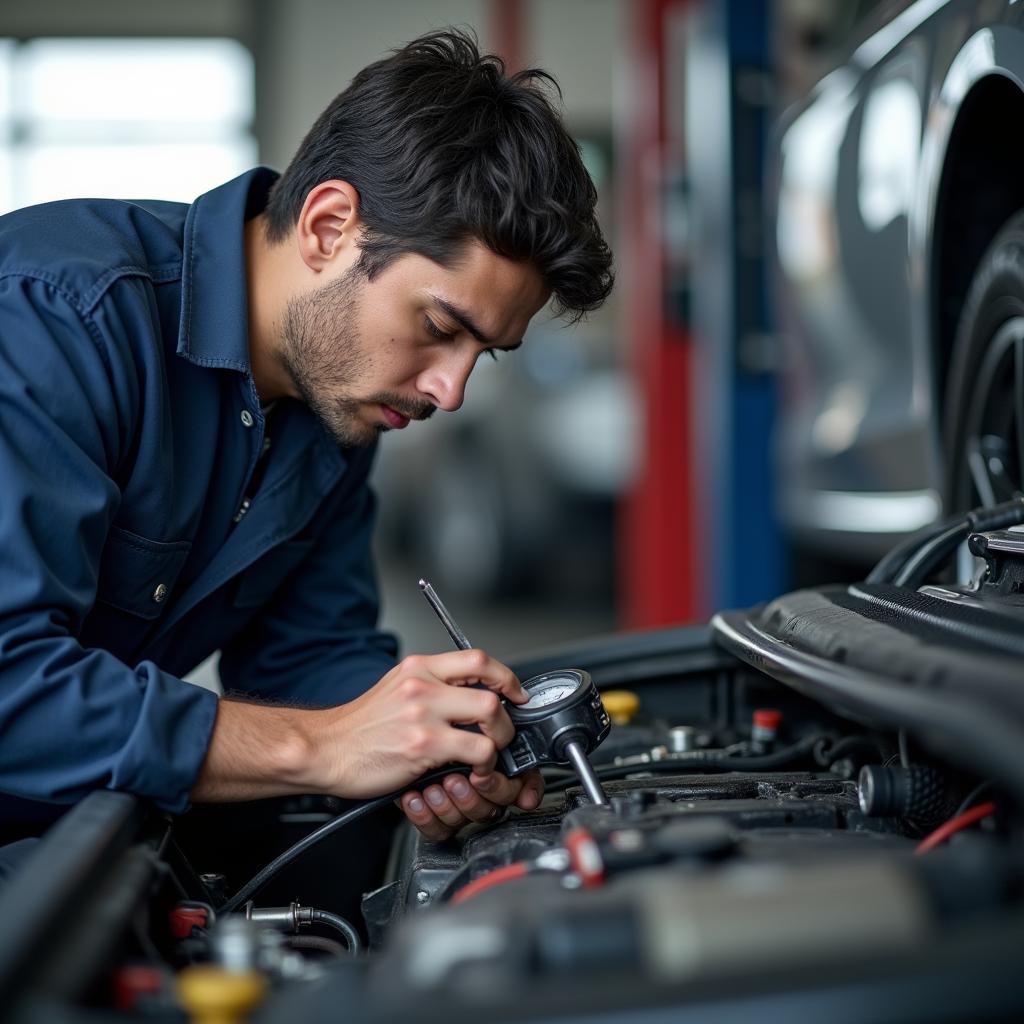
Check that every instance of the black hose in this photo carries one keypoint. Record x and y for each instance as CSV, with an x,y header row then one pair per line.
x,y
909,564
353,814
931,555
317,942
828,751
339,924
282,860
894,560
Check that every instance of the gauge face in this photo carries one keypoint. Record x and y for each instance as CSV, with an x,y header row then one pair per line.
x,y
550,691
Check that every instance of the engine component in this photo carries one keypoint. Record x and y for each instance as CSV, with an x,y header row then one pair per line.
x,y
764,729
621,705
214,995
295,917
917,792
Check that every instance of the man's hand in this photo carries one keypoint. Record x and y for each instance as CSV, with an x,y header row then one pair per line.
x,y
382,741
406,724
443,808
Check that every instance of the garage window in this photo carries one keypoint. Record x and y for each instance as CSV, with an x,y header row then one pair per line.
x,y
122,118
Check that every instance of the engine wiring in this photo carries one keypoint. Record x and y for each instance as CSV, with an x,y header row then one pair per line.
x,y
968,801
706,760
499,876
954,825
822,748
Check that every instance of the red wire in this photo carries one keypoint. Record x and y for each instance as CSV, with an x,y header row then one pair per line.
x,y
496,877
962,821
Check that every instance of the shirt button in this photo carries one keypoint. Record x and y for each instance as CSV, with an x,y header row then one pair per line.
x,y
160,593
246,418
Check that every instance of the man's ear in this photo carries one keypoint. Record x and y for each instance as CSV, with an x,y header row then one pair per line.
x,y
328,225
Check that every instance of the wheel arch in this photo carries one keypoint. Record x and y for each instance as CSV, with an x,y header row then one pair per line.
x,y
981,187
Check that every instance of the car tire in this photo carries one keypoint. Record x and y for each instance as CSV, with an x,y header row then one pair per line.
x,y
983,412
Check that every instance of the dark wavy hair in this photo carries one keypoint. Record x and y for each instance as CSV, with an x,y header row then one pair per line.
x,y
443,147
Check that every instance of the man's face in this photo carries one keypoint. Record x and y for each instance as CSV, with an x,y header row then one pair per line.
x,y
368,356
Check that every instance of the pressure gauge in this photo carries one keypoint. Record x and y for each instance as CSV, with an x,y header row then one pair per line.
x,y
564,708
561,723
550,690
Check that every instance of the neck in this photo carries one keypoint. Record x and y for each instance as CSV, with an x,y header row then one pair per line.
x,y
266,269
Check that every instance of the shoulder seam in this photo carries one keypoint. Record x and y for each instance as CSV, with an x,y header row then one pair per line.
x,y
87,302
158,275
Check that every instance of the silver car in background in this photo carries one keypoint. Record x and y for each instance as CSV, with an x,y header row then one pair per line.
x,y
900,259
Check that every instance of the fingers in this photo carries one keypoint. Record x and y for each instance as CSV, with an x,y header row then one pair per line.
x,y
420,813
532,792
441,810
470,803
405,725
474,666
479,707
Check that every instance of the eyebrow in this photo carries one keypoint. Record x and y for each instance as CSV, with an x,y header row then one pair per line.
x,y
461,317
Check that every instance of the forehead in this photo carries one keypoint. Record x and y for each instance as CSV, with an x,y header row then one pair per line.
x,y
501,295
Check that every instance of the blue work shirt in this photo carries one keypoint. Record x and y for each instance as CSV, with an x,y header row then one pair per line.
x,y
131,436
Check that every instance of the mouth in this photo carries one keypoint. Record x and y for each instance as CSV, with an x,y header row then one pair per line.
x,y
394,419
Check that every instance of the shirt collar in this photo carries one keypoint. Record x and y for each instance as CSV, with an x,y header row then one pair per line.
x,y
214,325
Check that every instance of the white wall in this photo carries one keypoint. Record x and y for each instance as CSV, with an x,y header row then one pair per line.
x,y
308,50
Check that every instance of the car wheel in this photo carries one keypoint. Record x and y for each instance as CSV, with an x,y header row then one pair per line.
x,y
984,407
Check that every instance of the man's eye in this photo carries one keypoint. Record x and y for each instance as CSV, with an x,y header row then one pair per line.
x,y
436,331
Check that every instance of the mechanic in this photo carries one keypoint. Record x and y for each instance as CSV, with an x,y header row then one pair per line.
x,y
190,398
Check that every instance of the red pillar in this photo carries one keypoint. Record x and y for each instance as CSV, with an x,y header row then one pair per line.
x,y
508,27
660,575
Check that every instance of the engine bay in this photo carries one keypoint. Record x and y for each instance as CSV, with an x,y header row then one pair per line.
x,y
813,810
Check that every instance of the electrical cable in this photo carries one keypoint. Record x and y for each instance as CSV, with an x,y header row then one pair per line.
x,y
954,825
499,876
982,787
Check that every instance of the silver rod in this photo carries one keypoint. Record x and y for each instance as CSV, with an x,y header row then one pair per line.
x,y
585,771
458,637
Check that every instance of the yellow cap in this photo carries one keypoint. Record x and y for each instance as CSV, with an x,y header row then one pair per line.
x,y
211,995
621,705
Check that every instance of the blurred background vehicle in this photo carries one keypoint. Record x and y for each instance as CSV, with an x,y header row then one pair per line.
x,y
516,494
898,245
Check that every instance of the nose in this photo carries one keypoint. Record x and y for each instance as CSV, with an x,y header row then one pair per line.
x,y
444,381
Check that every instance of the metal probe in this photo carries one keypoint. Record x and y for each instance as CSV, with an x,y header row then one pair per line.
x,y
575,753
458,637
585,770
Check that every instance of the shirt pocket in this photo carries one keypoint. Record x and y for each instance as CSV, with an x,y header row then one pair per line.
x,y
138,575
257,585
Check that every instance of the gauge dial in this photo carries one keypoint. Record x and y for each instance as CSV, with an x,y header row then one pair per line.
x,y
550,691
